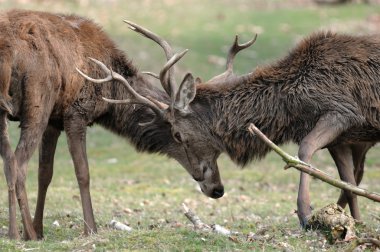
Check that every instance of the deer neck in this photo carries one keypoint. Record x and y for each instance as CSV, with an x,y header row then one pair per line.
x,y
125,119
234,107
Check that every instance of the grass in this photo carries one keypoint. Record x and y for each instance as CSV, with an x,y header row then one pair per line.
x,y
146,191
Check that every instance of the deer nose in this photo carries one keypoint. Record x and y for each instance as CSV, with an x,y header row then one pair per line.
x,y
217,192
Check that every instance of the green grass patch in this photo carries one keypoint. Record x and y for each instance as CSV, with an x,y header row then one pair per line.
x,y
146,191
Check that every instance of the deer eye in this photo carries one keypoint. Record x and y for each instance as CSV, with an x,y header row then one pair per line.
x,y
177,137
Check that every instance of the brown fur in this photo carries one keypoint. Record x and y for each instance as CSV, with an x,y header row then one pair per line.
x,y
42,89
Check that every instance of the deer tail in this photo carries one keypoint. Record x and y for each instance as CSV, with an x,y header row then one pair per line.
x,y
5,79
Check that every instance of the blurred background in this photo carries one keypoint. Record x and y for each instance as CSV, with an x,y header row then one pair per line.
x,y
146,191
207,28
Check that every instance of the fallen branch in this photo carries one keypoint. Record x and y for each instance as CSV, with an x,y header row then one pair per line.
x,y
200,225
374,243
307,168
375,216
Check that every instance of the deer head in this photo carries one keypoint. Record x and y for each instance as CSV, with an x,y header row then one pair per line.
x,y
187,126
191,146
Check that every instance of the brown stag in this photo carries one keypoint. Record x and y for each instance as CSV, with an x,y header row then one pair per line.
x,y
324,94
40,87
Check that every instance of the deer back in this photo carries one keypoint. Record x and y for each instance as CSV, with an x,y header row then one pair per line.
x,y
44,49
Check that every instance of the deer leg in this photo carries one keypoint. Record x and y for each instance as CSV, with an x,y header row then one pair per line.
x,y
29,139
45,174
326,129
10,170
35,120
342,155
358,153
358,156
76,138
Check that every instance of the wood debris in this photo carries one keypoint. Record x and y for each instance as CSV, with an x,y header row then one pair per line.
x,y
120,226
334,222
200,225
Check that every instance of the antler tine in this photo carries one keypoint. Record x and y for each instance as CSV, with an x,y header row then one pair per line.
x,y
154,75
228,76
117,101
134,102
234,49
151,35
138,99
169,82
163,73
103,67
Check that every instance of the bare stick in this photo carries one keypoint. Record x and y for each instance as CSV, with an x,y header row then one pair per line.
x,y
307,168
360,241
198,224
368,240
375,216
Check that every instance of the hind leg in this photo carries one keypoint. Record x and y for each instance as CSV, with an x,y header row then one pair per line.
x,y
35,116
29,139
10,170
359,152
45,174
342,155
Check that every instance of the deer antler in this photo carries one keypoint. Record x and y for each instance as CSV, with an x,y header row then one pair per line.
x,y
154,75
234,49
166,69
168,82
228,75
156,106
166,75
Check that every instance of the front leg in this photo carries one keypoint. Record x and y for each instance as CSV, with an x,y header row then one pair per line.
x,y
325,131
75,128
303,200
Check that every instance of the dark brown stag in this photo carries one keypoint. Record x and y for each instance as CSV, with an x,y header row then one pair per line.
x,y
324,94
40,87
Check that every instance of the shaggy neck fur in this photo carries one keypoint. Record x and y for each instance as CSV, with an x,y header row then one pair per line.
x,y
124,119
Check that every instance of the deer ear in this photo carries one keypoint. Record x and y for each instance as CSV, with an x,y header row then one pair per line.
x,y
185,93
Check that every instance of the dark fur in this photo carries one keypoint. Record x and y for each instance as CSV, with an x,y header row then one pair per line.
x,y
324,93
325,73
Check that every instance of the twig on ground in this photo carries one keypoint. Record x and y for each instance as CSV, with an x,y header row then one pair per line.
x,y
373,241
375,216
120,226
200,225
363,241
307,168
